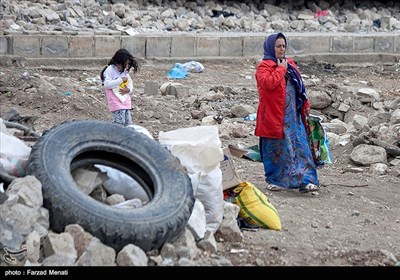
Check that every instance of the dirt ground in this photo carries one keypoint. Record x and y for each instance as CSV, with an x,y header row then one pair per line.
x,y
355,219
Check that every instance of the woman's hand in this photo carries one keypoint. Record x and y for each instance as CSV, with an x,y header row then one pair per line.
x,y
282,62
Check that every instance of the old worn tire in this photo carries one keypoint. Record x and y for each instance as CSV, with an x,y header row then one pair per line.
x,y
76,144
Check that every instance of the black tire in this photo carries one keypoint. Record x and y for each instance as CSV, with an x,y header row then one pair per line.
x,y
78,144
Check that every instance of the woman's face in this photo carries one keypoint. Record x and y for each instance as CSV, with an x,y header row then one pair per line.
x,y
280,48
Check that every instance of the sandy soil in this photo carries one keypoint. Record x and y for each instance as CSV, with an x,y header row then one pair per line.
x,y
355,219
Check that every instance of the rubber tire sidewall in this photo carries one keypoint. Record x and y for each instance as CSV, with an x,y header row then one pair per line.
x,y
149,227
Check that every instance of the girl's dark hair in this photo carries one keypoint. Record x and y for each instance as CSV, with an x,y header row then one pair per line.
x,y
122,56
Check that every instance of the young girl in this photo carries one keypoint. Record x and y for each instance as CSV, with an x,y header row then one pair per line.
x,y
118,85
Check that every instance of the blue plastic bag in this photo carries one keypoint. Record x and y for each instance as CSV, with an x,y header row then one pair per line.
x,y
177,72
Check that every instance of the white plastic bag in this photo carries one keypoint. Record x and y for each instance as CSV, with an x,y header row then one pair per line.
x,y
199,150
141,129
14,154
193,66
123,184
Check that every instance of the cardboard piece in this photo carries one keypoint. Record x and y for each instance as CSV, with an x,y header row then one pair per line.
x,y
236,151
252,152
229,176
122,97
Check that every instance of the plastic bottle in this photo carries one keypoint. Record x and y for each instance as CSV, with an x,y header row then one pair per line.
x,y
250,117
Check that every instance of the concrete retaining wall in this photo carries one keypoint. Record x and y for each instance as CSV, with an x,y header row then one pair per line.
x,y
348,46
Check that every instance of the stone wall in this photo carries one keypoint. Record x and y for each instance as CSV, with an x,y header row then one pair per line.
x,y
351,47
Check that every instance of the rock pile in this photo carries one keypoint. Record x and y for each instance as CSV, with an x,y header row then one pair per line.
x,y
157,16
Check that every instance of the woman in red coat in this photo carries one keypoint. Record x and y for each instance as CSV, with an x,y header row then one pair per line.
x,y
281,120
